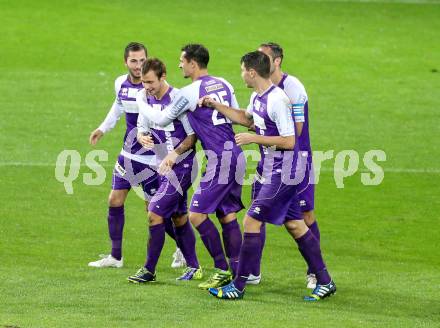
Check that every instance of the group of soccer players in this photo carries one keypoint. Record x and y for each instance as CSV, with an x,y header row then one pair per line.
x,y
163,126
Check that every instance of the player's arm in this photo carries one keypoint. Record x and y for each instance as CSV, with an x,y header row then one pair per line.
x,y
180,104
235,115
298,98
143,133
298,116
109,122
187,144
279,112
280,142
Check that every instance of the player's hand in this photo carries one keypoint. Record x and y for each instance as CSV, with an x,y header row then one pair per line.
x,y
168,163
146,141
244,138
207,101
95,136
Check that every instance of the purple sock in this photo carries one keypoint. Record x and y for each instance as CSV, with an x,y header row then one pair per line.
x,y
156,241
256,270
310,250
211,239
315,230
187,242
232,240
116,220
249,254
169,228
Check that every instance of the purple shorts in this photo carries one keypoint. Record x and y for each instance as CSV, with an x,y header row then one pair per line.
x,y
171,197
306,190
274,202
128,173
218,192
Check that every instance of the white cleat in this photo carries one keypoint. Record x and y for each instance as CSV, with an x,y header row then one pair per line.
x,y
178,259
253,280
311,281
107,261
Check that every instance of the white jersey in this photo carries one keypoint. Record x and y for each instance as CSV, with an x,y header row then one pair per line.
x,y
297,95
125,102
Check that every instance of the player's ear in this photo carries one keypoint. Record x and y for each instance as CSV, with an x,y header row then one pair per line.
x,y
163,77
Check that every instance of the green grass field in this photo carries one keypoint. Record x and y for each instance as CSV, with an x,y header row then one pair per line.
x,y
372,71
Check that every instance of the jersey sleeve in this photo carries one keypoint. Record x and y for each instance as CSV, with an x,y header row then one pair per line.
x,y
114,113
298,97
279,112
250,107
143,125
186,125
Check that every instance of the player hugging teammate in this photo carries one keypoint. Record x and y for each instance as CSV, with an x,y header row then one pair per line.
x,y
169,123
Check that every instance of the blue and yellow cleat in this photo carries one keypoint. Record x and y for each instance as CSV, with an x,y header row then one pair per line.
x,y
321,291
228,292
142,276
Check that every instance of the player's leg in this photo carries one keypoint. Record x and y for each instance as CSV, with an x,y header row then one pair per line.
x,y
232,239
212,241
187,242
311,251
307,200
150,186
249,255
115,220
156,240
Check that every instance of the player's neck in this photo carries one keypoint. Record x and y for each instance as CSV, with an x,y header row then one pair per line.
x,y
198,74
163,90
276,76
133,79
262,85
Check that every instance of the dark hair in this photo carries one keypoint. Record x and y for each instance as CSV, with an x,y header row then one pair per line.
x,y
258,61
155,65
134,46
275,48
198,53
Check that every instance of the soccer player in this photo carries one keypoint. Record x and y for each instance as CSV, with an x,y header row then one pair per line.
x,y
299,101
132,160
219,191
274,198
174,146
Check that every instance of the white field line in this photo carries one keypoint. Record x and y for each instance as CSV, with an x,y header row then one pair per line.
x,y
325,169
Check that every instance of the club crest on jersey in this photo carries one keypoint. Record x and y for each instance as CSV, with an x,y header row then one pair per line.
x,y
124,92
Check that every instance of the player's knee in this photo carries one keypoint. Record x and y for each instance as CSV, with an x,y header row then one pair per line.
x,y
309,218
296,227
154,219
116,199
251,225
228,218
196,218
180,220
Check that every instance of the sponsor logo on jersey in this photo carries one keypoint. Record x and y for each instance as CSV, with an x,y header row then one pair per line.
x,y
214,87
181,103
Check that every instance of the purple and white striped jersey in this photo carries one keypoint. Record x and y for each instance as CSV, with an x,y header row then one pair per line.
x,y
169,137
125,102
272,117
300,106
211,127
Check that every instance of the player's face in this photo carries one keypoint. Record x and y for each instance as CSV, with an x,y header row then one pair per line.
x,y
268,52
152,83
134,62
246,76
187,67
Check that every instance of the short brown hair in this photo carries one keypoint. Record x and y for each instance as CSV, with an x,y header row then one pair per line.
x,y
155,65
134,46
